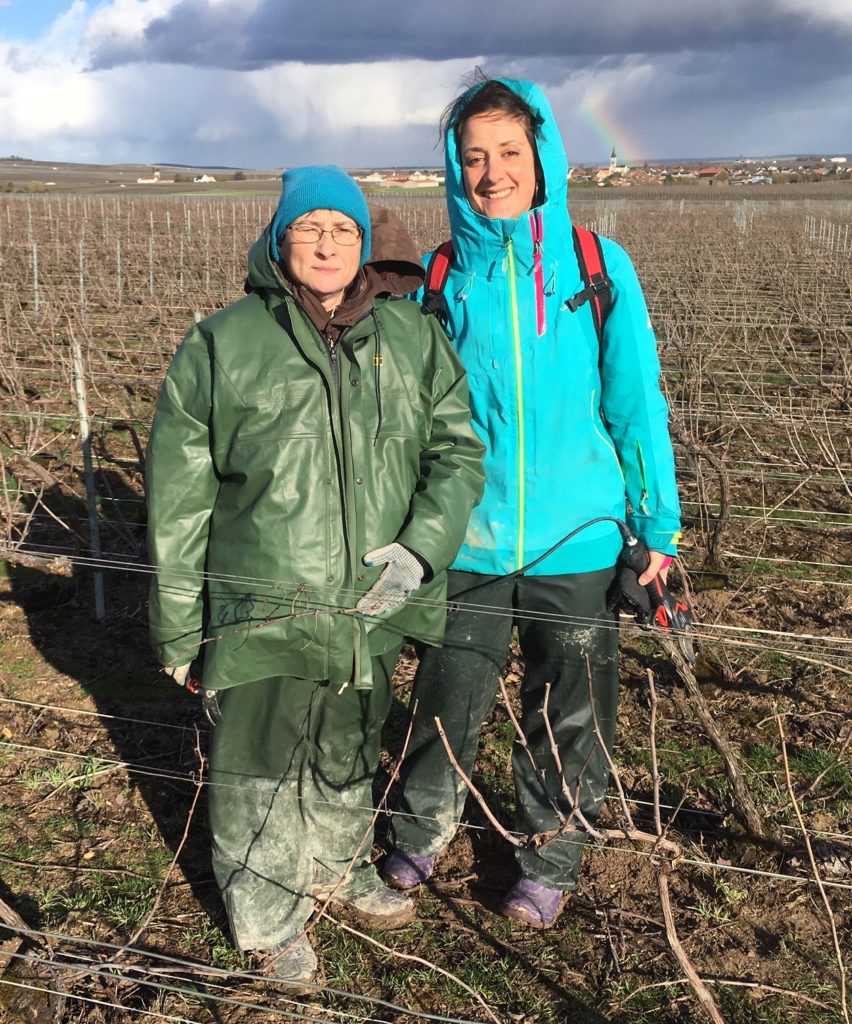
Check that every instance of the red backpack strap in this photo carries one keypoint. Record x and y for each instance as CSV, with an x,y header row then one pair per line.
x,y
437,272
598,290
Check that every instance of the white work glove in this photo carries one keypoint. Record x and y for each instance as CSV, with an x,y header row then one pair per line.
x,y
402,574
178,672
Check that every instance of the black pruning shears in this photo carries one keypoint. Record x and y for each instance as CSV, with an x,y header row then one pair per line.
x,y
668,614
209,700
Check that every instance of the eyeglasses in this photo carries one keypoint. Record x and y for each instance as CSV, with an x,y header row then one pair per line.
x,y
341,234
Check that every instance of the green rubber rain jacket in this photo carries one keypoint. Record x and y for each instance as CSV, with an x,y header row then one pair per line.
x,y
274,465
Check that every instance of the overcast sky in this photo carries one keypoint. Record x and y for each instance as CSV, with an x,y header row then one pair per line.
x,y
270,83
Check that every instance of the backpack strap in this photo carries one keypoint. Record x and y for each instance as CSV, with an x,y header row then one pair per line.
x,y
437,272
598,290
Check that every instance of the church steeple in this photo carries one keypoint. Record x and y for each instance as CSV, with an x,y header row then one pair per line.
x,y
613,162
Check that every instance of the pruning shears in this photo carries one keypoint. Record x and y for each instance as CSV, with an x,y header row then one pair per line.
x,y
657,607
209,699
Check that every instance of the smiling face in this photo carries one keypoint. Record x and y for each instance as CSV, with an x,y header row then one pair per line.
x,y
326,267
498,165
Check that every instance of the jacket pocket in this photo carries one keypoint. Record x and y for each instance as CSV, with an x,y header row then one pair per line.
x,y
280,394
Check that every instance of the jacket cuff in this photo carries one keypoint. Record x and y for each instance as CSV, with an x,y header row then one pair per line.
x,y
656,535
176,650
428,571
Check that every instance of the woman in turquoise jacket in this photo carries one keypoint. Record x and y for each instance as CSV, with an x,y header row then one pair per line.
x,y
574,429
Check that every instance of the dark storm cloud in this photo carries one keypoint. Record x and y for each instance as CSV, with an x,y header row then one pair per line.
x,y
205,34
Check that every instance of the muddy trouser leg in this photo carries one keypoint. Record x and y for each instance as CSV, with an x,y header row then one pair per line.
x,y
348,745
458,683
555,653
292,765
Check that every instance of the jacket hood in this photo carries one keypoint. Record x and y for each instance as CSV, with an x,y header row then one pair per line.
x,y
475,235
394,266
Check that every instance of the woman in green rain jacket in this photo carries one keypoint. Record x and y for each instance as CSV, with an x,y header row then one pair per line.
x,y
311,463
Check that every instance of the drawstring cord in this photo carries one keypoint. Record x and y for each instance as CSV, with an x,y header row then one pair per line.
x,y
377,375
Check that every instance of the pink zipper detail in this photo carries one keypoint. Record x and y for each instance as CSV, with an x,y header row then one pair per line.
x,y
537,228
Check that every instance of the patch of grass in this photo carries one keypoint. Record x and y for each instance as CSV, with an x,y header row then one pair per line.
x,y
27,851
701,765
23,666
207,938
67,826
816,760
77,775
121,900
155,861
720,909
346,965
761,759
740,1005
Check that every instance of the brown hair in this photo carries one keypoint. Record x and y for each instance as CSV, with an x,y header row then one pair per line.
x,y
489,96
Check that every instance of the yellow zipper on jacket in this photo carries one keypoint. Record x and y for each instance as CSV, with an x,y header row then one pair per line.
x,y
519,387
605,438
643,500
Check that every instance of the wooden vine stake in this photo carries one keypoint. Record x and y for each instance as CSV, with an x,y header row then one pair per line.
x,y
91,495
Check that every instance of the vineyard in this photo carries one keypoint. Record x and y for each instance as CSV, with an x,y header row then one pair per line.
x,y
733,780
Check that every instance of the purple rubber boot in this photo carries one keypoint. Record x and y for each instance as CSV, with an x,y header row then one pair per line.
x,y
532,904
405,870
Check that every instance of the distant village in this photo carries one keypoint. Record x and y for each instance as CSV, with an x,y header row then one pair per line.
x,y
614,175
25,175
739,172
620,175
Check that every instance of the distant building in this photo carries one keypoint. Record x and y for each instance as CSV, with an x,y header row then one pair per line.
x,y
152,180
612,171
204,179
399,179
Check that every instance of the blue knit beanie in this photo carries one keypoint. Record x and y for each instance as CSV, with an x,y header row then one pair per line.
x,y
319,188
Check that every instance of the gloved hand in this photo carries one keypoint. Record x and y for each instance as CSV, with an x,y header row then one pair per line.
x,y
179,673
625,594
403,573
209,698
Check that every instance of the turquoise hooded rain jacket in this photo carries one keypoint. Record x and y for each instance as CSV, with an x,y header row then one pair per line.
x,y
573,430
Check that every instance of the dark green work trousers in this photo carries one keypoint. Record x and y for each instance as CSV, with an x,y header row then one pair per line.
x,y
561,621
291,772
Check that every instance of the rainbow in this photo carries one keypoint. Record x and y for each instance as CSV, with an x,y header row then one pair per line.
x,y
605,127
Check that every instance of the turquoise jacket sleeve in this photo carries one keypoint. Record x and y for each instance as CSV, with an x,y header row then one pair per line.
x,y
635,410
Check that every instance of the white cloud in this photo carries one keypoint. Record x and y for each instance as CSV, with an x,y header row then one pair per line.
x,y
329,97
124,21
42,90
713,95
837,12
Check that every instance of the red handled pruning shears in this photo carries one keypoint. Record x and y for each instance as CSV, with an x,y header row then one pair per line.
x,y
668,613
209,699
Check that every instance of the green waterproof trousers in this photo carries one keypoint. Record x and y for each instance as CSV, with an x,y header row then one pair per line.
x,y
561,621
291,771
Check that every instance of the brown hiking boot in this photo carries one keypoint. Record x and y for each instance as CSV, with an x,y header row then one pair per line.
x,y
379,908
294,963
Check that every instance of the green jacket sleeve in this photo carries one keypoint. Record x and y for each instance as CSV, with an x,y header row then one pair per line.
x,y
451,475
181,486
635,410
